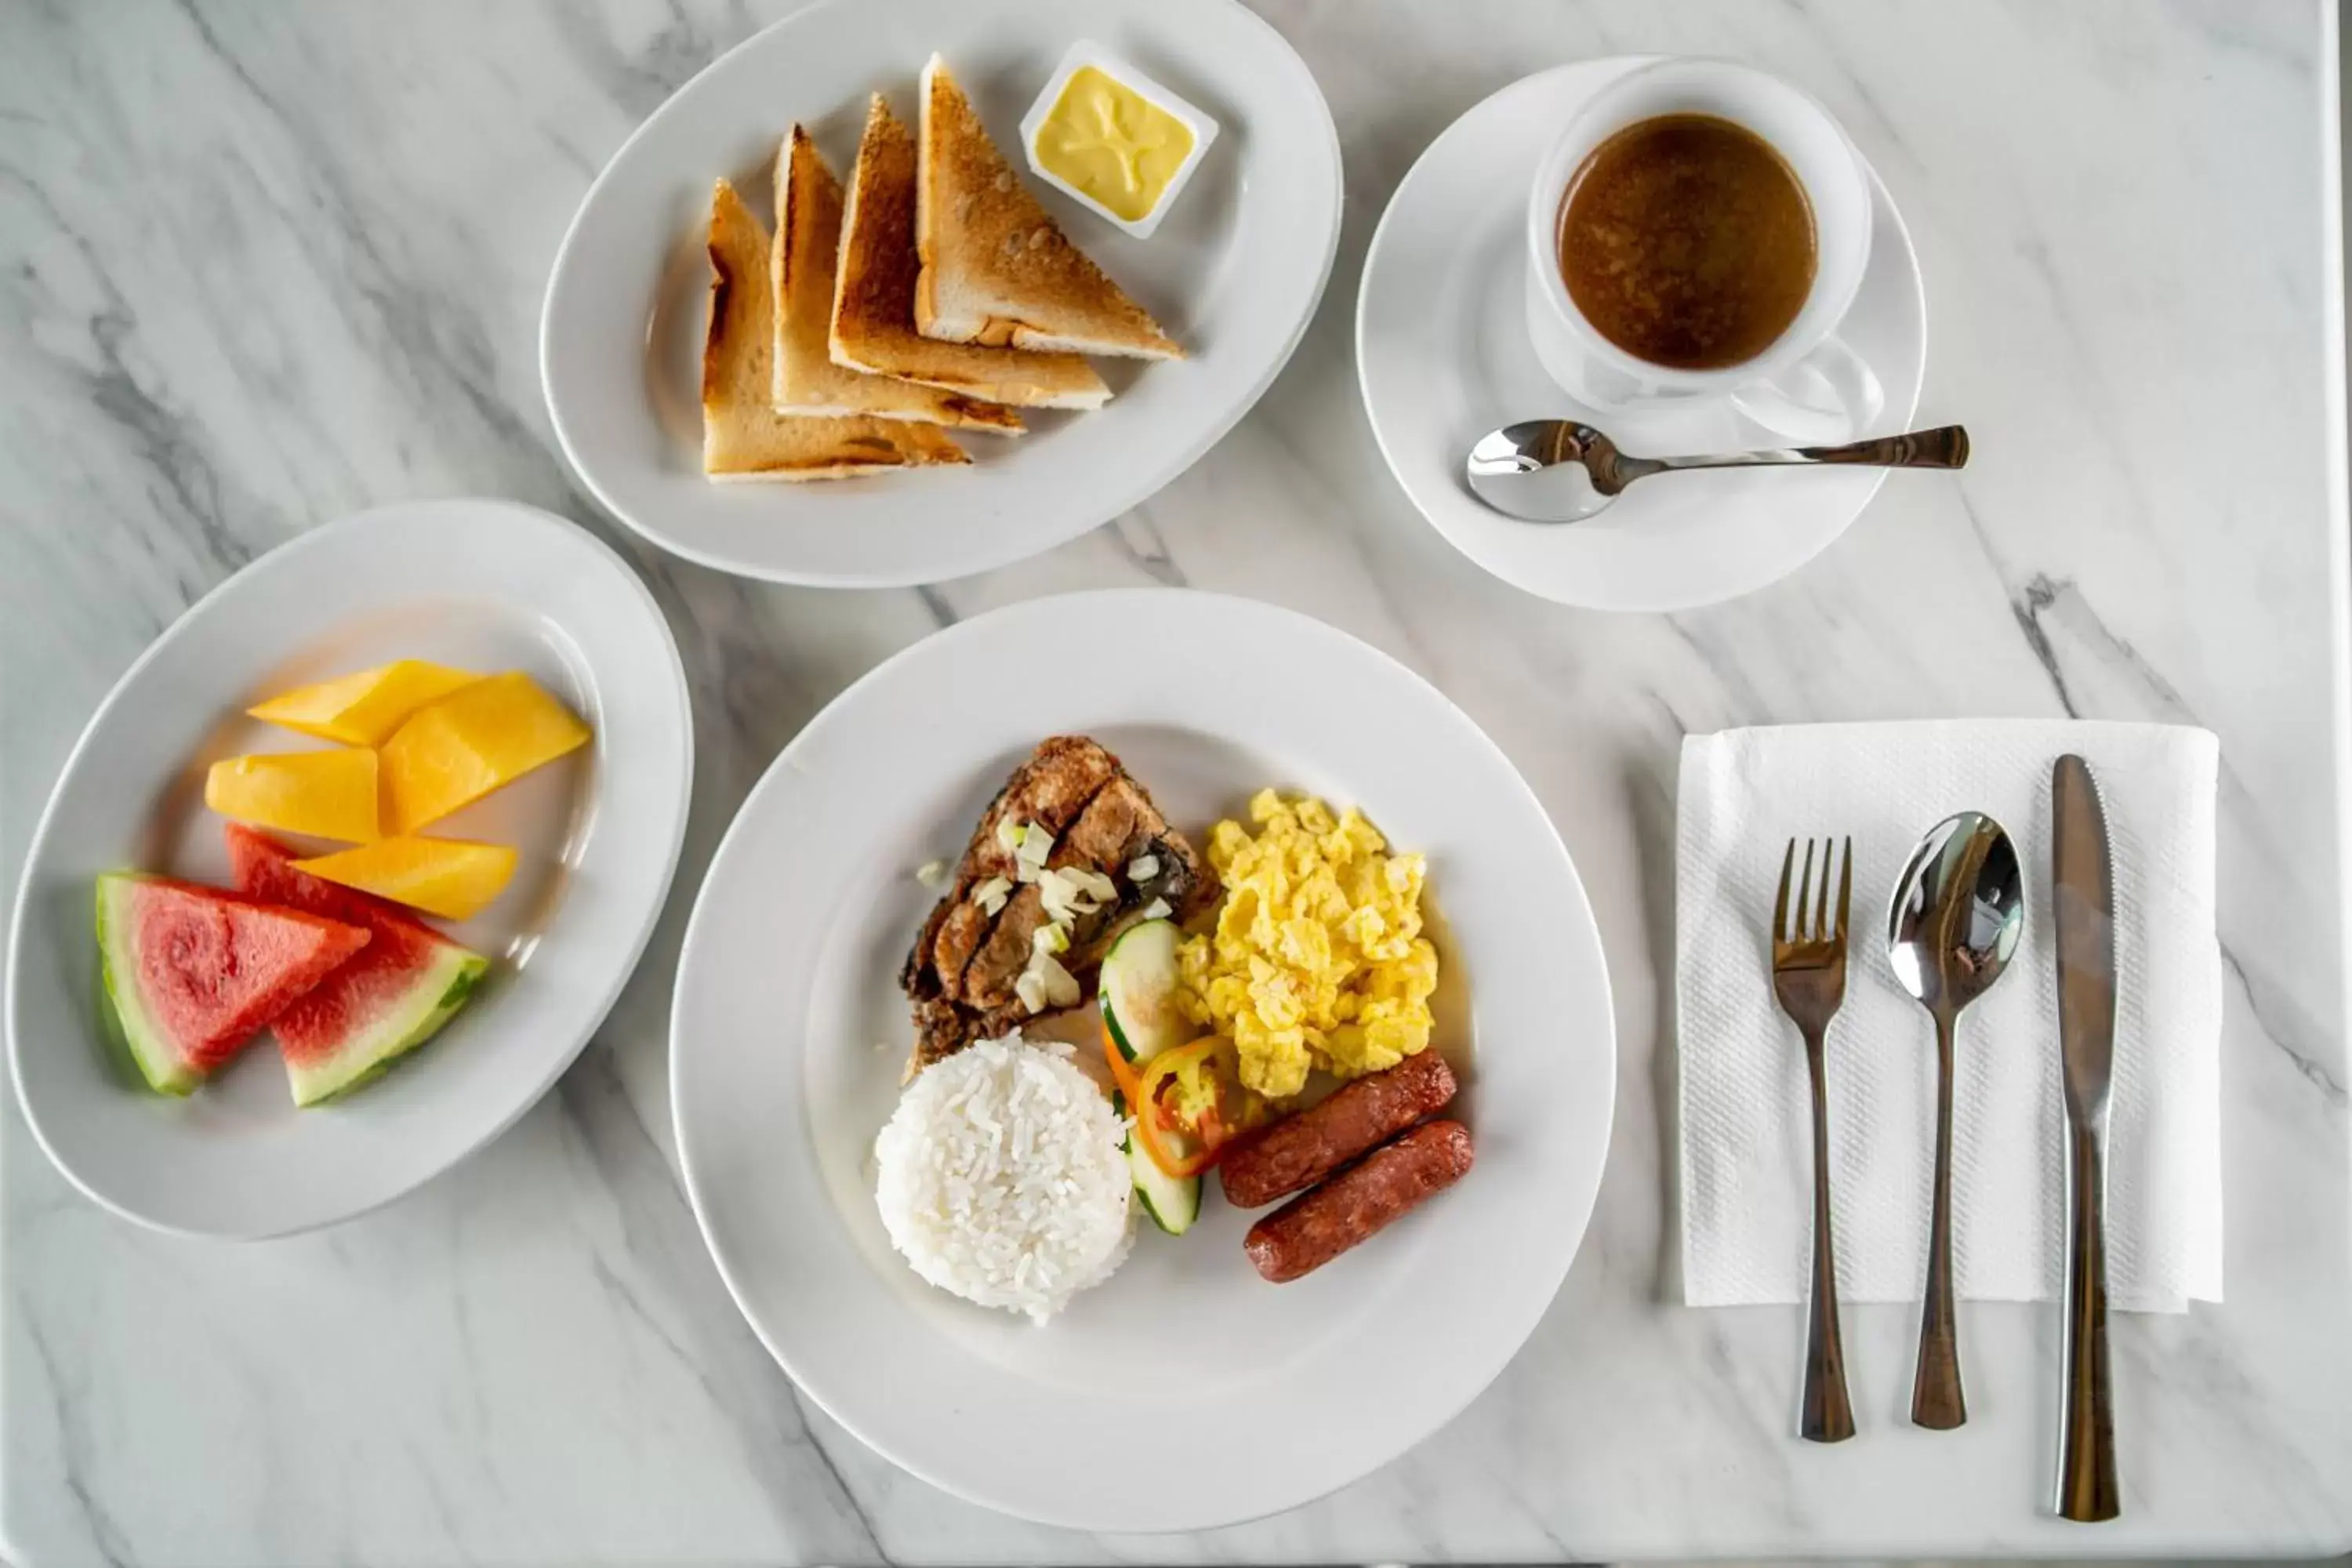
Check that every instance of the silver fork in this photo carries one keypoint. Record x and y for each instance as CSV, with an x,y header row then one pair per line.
x,y
1809,979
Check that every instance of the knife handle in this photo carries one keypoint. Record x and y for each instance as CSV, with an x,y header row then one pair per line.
x,y
2087,1462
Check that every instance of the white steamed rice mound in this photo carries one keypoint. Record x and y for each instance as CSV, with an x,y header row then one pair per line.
x,y
1000,1177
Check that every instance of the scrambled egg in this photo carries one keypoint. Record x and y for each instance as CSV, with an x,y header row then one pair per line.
x,y
1317,959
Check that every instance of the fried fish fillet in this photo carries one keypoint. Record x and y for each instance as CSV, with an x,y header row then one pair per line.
x,y
959,978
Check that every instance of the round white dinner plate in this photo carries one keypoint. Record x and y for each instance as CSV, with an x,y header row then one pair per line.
x,y
478,585
1184,1393
1443,351
1233,274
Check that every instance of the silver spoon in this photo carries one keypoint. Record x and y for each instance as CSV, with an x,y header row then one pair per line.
x,y
1958,909
1557,470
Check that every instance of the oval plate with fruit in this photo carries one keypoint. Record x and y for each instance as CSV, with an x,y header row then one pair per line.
x,y
347,868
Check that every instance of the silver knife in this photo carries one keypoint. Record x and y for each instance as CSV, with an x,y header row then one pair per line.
x,y
2083,909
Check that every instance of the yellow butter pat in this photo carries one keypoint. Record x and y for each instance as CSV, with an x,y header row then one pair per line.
x,y
1111,143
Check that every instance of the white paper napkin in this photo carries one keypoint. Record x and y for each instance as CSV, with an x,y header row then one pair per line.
x,y
1746,1113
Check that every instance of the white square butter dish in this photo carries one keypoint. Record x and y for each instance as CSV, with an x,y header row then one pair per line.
x,y
1081,56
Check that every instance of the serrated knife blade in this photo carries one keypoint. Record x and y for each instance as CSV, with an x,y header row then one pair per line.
x,y
2083,911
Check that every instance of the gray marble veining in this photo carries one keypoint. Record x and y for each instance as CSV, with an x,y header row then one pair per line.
x,y
263,265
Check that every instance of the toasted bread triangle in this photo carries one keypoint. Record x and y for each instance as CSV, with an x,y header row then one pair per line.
x,y
807,245
874,294
743,437
997,269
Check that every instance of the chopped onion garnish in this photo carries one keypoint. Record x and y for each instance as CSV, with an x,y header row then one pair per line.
x,y
1031,989
1029,857
1143,868
990,895
932,873
1008,834
1069,891
1045,984
1061,986
1093,884
1051,938
1060,892
1157,910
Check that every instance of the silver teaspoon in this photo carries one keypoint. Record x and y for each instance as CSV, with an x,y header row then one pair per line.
x,y
1958,909
1557,470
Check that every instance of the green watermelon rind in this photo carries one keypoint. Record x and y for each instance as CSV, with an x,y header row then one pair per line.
x,y
126,1015
432,1000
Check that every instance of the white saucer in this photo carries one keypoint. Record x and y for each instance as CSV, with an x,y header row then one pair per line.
x,y
481,585
1442,353
1234,274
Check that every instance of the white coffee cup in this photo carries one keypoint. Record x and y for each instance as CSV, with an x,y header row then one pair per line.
x,y
1808,384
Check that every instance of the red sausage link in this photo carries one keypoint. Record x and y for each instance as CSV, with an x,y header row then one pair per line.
x,y
1299,1150
1310,1230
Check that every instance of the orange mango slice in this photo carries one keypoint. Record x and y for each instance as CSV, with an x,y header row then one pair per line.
x,y
452,877
330,794
475,740
364,710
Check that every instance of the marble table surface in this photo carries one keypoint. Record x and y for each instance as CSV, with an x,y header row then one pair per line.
x,y
263,265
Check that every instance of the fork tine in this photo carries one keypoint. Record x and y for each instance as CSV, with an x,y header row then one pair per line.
x,y
1821,909
1805,892
1845,891
1781,901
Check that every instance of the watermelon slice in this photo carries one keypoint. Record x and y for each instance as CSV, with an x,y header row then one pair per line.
x,y
385,1002
191,973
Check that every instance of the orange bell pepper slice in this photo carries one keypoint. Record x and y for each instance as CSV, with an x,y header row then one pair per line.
x,y
1178,1166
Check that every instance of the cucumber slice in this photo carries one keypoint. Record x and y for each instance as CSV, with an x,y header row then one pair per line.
x,y
1139,992
1172,1202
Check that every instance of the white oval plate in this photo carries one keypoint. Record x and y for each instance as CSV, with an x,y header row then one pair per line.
x,y
1233,274
1185,1393
1442,349
479,585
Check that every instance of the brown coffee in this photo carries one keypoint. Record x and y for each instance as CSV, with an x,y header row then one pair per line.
x,y
1687,241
